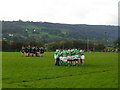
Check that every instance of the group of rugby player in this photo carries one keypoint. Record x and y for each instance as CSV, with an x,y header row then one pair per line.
x,y
69,57
32,51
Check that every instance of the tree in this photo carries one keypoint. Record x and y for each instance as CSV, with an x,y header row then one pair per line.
x,y
36,43
5,46
53,46
117,43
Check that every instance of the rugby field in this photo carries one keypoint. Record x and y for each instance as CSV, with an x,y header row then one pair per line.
x,y
100,71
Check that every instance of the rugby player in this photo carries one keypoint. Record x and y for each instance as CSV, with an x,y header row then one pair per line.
x,y
77,56
69,57
23,50
41,51
57,58
31,51
26,51
64,57
38,51
82,58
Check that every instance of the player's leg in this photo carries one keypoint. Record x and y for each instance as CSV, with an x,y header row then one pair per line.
x,y
55,58
73,62
28,54
40,54
79,61
31,54
34,54
25,53
22,53
76,62
82,59
61,61
64,61
57,61
68,60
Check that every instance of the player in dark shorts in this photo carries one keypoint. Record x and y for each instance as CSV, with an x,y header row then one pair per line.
x,y
38,52
35,51
23,50
41,51
32,51
27,51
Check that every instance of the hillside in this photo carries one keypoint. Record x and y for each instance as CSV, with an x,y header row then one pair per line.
x,y
49,32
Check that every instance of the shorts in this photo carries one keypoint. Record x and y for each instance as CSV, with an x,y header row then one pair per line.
x,y
76,56
64,59
26,52
82,57
55,56
72,60
31,52
38,52
34,52
41,52
60,58
75,59
69,57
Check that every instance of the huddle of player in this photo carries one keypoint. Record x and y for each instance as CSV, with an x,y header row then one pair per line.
x,y
32,51
69,57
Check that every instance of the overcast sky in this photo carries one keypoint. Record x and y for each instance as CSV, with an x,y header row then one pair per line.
x,y
95,12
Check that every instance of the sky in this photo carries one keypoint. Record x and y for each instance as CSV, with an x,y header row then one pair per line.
x,y
94,12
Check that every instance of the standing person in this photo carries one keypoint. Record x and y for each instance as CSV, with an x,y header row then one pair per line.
x,y
27,51
55,55
31,51
38,53
34,51
42,51
73,57
77,56
57,58
23,50
64,57
82,58
69,57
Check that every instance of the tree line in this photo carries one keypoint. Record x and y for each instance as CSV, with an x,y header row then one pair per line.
x,y
52,46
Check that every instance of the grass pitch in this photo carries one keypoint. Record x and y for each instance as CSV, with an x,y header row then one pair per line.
x,y
100,71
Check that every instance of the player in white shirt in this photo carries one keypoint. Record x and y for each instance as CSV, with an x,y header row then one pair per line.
x,y
82,58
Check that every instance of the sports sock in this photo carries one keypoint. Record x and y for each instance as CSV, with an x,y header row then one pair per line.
x,y
68,64
64,63
61,63
76,64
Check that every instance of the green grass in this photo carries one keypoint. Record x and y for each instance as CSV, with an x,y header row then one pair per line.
x,y
100,71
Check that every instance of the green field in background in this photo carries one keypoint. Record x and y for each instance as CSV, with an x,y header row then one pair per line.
x,y
100,71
